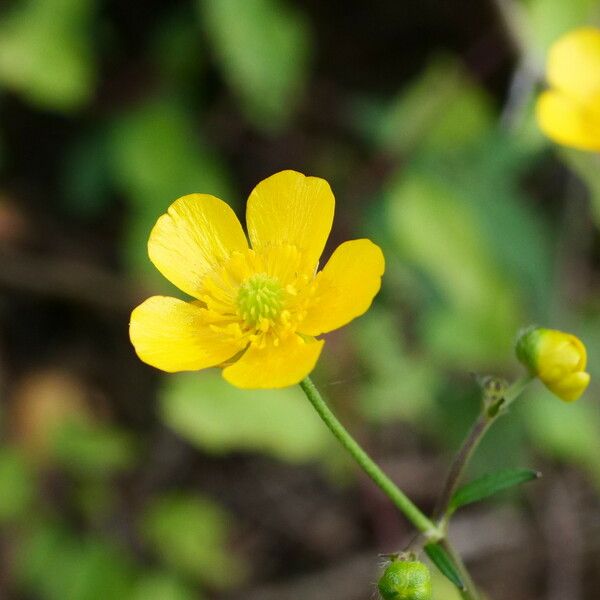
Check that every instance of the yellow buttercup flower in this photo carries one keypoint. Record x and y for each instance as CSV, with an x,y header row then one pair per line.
x,y
257,309
558,359
569,112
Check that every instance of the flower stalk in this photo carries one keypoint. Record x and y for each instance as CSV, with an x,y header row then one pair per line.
x,y
497,398
490,412
389,488
470,592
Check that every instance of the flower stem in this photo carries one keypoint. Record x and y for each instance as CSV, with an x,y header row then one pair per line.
x,y
389,488
470,592
472,441
459,464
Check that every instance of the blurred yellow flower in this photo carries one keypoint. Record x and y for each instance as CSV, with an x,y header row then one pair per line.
x,y
558,359
569,112
257,309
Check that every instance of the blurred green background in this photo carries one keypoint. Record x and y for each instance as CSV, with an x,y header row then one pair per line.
x,y
119,482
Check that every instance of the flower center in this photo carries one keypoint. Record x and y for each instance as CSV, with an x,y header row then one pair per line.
x,y
259,297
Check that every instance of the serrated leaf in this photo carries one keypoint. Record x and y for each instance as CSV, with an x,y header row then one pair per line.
x,y
490,484
440,558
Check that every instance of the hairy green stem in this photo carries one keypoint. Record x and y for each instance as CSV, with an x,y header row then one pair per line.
x,y
389,488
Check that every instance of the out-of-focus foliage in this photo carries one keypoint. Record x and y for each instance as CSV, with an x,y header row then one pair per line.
x,y
263,47
46,53
568,435
219,418
110,111
154,154
190,533
587,166
56,564
440,110
393,373
93,450
160,586
549,19
17,483
460,191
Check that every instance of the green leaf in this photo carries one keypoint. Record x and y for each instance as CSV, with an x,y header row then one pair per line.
x,y
162,586
190,535
156,155
263,47
471,320
399,384
220,418
17,485
177,49
441,110
93,450
439,557
490,484
55,564
45,52
86,183
549,19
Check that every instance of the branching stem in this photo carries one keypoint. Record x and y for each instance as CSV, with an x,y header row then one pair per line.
x,y
485,420
432,531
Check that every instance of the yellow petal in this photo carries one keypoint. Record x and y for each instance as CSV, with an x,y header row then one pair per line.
x,y
289,208
345,287
565,121
571,387
275,366
198,233
171,335
558,355
574,65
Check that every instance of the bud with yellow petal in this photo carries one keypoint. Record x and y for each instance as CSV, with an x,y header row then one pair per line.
x,y
558,359
405,580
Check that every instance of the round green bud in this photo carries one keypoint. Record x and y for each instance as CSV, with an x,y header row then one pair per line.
x,y
405,580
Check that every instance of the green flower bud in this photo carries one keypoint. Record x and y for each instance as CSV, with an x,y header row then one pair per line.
x,y
405,580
